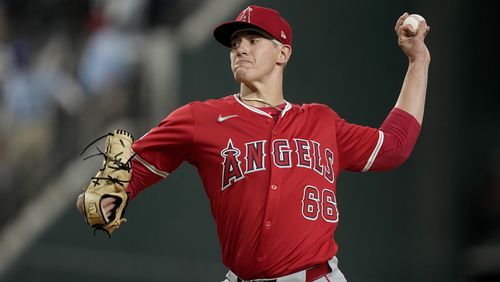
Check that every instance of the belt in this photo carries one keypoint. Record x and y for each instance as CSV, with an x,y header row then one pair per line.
x,y
312,273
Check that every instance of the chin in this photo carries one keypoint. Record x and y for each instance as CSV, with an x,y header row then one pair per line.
x,y
241,76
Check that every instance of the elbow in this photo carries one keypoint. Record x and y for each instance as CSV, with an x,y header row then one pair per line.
x,y
400,158
391,159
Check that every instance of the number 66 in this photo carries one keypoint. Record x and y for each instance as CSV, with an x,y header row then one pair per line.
x,y
312,204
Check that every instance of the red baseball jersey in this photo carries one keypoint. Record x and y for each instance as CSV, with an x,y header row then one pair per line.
x,y
270,176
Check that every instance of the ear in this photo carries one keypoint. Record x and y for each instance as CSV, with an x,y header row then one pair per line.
x,y
284,55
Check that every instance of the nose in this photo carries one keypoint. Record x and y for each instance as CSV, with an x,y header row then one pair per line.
x,y
242,47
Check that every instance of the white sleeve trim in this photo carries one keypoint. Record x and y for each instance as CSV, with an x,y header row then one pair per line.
x,y
375,151
152,168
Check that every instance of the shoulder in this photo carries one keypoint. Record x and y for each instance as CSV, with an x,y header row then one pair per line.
x,y
226,101
202,110
315,108
197,107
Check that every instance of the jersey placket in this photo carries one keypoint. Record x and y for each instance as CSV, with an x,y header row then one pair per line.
x,y
272,201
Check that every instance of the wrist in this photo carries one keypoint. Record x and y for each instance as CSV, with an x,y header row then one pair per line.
x,y
423,59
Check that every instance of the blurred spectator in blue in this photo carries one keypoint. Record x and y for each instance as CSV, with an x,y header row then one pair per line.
x,y
37,88
110,56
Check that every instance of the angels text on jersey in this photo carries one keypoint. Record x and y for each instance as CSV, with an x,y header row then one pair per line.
x,y
238,162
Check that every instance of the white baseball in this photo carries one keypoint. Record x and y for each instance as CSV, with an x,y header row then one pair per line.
x,y
413,21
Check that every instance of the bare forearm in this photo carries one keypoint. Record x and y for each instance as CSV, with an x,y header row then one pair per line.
x,y
414,89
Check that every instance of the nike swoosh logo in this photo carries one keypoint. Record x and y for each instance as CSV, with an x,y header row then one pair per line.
x,y
223,118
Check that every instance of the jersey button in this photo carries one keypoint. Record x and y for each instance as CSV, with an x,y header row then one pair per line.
x,y
268,223
274,187
260,259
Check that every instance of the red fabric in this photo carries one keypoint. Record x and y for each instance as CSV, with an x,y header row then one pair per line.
x,y
401,131
355,143
264,178
256,17
141,179
317,272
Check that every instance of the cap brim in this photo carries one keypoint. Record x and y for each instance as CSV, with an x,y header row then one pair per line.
x,y
223,32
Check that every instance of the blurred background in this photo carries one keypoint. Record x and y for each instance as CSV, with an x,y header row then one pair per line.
x,y
71,71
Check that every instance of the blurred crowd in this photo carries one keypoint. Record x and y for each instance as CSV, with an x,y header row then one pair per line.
x,y
67,68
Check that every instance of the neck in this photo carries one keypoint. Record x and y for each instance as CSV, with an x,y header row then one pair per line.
x,y
261,96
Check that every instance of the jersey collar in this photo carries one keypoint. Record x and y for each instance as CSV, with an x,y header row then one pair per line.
x,y
287,107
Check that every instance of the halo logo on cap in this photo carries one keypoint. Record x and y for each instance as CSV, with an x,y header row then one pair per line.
x,y
245,15
255,17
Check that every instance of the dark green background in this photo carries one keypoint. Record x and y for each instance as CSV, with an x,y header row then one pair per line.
x,y
409,224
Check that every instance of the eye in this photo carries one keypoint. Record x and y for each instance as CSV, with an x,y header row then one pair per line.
x,y
235,44
254,41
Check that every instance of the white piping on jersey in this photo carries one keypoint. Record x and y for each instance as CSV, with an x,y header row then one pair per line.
x,y
375,151
288,106
151,167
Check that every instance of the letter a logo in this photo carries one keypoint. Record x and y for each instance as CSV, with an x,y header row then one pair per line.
x,y
231,165
245,15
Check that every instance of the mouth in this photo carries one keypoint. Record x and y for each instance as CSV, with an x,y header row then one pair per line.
x,y
241,62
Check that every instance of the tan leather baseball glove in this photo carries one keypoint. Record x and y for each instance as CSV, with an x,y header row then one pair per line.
x,y
111,181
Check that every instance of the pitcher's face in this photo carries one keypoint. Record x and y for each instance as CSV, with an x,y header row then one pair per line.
x,y
253,56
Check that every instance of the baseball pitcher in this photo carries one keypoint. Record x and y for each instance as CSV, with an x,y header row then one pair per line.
x,y
268,166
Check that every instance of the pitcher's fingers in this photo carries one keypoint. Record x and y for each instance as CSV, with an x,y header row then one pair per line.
x,y
79,203
107,201
107,205
407,29
108,209
401,20
422,28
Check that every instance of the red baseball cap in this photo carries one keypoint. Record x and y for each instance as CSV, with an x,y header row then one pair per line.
x,y
255,17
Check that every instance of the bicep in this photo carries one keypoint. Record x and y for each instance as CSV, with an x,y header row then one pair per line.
x,y
358,145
